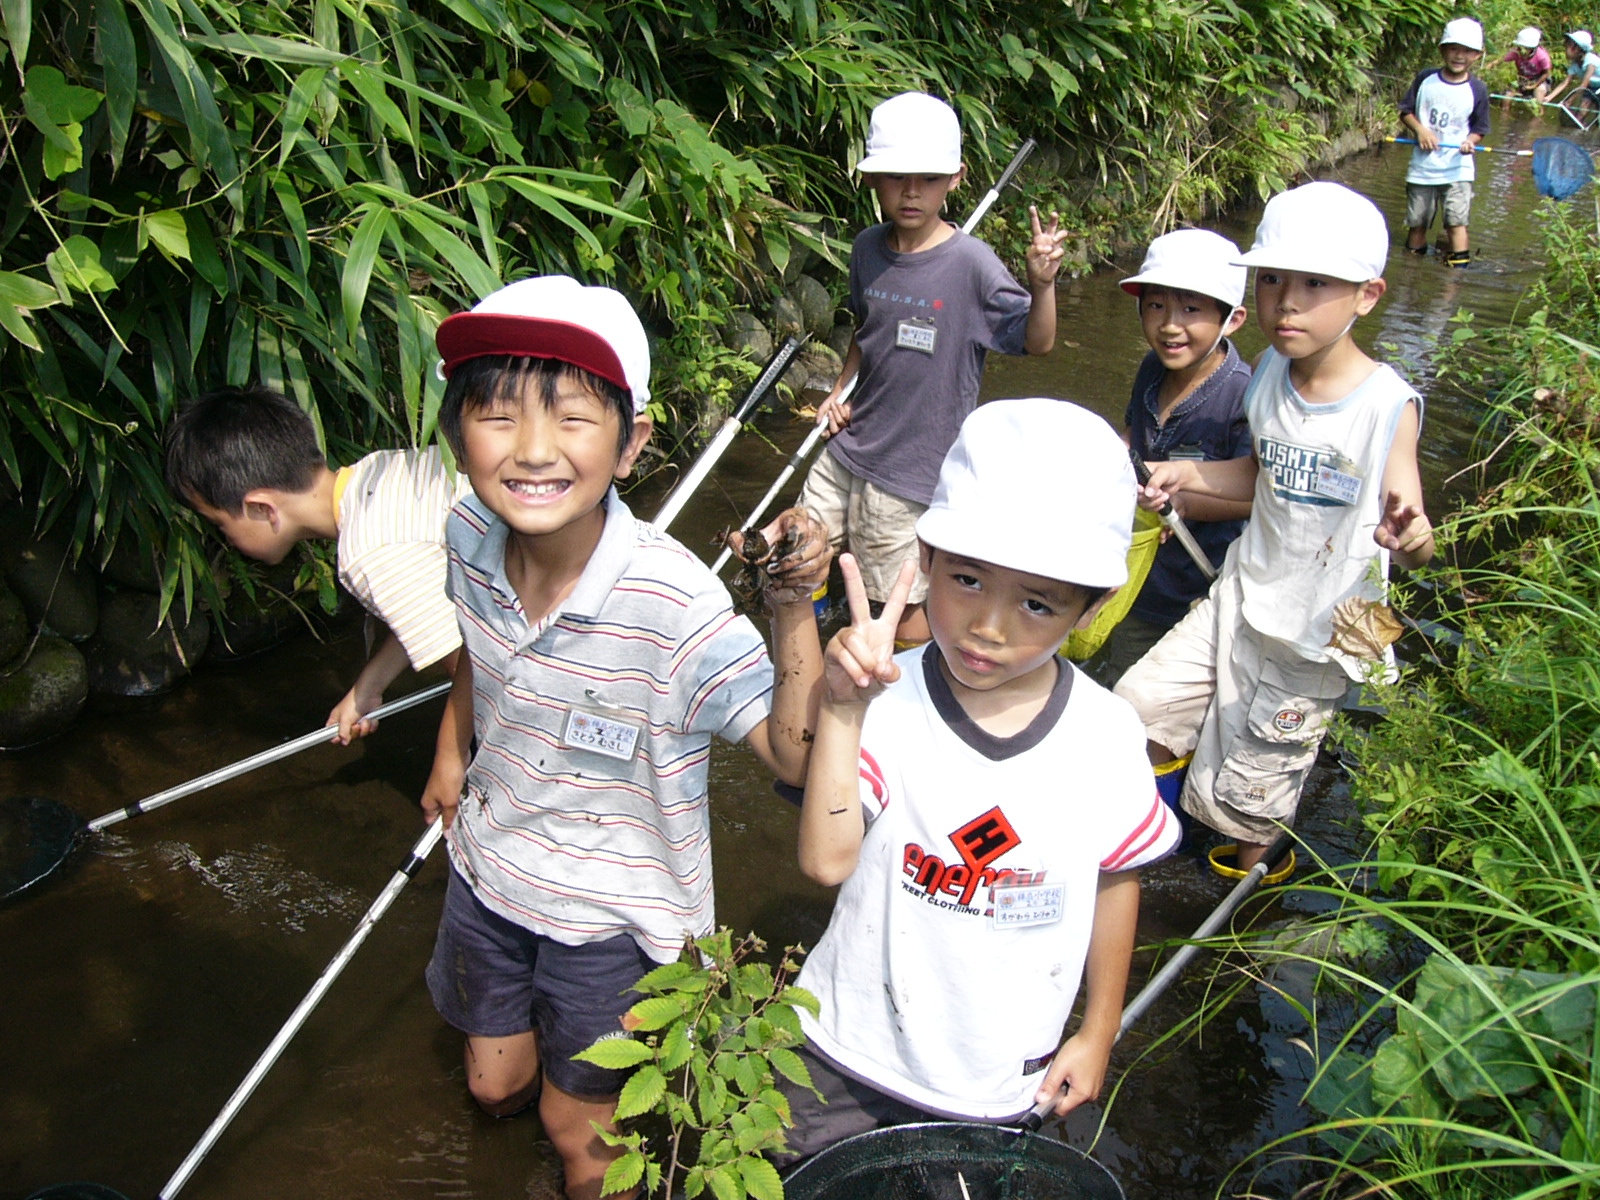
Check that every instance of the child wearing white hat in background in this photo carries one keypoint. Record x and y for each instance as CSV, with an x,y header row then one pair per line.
x,y
985,804
1583,70
1250,678
1532,62
929,303
1187,402
1447,108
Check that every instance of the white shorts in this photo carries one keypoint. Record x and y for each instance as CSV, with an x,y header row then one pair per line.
x,y
879,528
1250,709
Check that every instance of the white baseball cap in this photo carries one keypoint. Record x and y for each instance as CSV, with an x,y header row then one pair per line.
x,y
1041,486
1528,37
913,132
1581,39
1463,31
1321,229
554,316
1192,260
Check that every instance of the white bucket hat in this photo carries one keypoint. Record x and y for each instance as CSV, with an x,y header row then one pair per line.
x,y
1528,37
554,316
1581,39
1192,260
1463,31
913,132
1321,229
1041,486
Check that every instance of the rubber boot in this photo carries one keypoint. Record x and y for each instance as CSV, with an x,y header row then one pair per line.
x,y
1458,258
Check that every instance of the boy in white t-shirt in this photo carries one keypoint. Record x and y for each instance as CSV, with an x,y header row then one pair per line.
x,y
1447,108
984,803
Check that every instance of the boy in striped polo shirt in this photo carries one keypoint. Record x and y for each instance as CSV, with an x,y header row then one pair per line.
x,y
247,460
601,658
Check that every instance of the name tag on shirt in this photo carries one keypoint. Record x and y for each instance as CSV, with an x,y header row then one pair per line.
x,y
1028,904
916,335
1337,485
601,734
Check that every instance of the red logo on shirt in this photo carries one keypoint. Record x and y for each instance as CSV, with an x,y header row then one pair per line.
x,y
979,843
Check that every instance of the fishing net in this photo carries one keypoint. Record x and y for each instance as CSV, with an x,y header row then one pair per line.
x,y
950,1161
1560,167
35,836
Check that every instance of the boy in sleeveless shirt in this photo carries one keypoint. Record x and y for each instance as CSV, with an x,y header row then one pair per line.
x,y
1249,679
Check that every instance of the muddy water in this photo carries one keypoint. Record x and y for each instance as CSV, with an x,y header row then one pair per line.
x,y
140,985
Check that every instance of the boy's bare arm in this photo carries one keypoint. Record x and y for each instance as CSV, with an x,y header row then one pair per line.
x,y
366,694
1045,253
1221,479
860,663
1079,1068
1426,138
1193,507
783,740
453,749
1404,529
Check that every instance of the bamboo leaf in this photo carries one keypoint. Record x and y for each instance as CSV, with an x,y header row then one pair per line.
x,y
357,274
119,63
272,49
19,28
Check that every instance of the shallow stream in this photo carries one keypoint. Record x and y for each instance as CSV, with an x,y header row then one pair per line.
x,y
140,984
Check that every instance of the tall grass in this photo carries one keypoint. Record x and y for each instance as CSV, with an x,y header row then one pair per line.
x,y
1458,967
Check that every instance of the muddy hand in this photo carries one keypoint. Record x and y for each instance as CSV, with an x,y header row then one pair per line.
x,y
860,659
801,537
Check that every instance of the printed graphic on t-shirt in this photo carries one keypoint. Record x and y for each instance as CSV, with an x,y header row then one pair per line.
x,y
902,298
1308,475
954,878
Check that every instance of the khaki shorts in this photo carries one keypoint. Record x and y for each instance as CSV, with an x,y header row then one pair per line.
x,y
1425,199
1250,709
878,528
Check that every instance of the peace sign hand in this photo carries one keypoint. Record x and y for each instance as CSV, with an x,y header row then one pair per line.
x,y
1046,250
860,658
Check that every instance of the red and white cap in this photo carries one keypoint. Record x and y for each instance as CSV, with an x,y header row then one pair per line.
x,y
554,316
1041,486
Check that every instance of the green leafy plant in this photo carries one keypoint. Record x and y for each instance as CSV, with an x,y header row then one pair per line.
x,y
719,1026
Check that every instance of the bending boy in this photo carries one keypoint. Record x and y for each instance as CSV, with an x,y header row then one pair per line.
x,y
247,460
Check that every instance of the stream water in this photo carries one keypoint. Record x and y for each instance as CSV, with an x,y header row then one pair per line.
x,y
140,984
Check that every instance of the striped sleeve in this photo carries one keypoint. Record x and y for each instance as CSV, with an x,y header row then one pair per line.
x,y
1154,837
404,586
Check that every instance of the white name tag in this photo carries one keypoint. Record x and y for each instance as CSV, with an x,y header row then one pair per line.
x,y
601,734
1338,485
1028,904
916,335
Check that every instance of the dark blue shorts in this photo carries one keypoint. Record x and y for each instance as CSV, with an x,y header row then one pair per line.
x,y
490,977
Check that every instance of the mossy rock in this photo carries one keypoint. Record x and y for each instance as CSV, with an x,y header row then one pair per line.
x,y
787,319
42,695
816,305
132,565
131,655
14,627
748,336
55,591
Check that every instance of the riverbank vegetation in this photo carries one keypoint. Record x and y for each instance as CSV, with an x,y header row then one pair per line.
x,y
210,191
1461,962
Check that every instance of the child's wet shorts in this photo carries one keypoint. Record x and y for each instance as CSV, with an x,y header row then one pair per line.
x,y
1425,199
491,977
1252,711
848,1107
879,527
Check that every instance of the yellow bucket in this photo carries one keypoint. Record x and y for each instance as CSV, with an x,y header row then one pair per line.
x,y
1082,643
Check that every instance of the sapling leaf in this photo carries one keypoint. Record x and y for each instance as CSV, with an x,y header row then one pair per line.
x,y
616,1053
761,1179
676,1047
653,1013
639,1095
791,1066
623,1174
726,1183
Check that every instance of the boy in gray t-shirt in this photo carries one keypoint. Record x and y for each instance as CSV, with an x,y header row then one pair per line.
x,y
929,303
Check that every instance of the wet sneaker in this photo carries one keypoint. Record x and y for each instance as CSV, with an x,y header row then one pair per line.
x,y
1458,258
1419,251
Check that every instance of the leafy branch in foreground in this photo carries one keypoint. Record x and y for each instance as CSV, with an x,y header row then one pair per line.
x,y
718,1025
